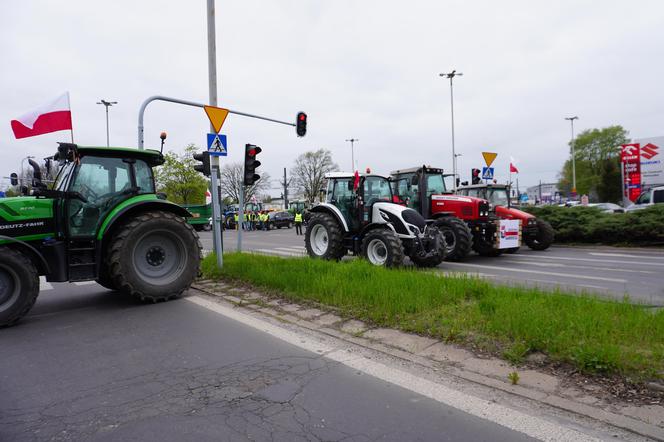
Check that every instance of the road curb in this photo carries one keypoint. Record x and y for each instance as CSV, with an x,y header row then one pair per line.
x,y
386,341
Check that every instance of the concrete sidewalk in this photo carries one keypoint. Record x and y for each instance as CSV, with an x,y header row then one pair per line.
x,y
536,381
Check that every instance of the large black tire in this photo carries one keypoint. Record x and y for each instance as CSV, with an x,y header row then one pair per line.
x,y
323,238
458,237
544,236
382,247
437,257
19,286
154,256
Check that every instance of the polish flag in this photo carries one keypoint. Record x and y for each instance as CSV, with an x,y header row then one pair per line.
x,y
208,197
513,168
356,181
50,117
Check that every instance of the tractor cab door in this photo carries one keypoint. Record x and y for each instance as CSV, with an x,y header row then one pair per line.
x,y
374,189
407,191
101,183
344,198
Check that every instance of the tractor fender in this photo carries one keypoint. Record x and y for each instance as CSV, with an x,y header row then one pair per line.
x,y
137,205
334,211
32,253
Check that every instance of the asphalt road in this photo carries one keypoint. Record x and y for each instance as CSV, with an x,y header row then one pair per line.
x,y
90,364
605,271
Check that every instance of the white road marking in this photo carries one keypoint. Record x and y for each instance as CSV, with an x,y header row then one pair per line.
x,y
599,261
276,252
291,249
624,255
515,420
509,269
576,266
84,282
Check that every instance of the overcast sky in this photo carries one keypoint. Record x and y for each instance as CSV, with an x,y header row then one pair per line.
x,y
362,69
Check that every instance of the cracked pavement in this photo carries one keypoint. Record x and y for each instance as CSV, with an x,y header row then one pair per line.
x,y
88,364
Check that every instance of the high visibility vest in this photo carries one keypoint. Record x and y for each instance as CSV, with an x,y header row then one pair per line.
x,y
298,217
236,217
264,217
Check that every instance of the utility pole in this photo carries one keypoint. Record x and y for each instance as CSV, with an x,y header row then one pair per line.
x,y
285,184
451,76
107,104
352,152
214,159
572,142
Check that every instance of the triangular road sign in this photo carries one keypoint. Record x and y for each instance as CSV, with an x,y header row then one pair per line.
x,y
217,116
489,157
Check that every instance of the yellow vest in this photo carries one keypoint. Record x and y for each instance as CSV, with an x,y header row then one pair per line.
x,y
298,217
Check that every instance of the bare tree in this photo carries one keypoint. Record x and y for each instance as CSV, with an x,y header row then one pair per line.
x,y
232,177
309,172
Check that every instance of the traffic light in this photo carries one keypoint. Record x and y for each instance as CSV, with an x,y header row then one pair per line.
x,y
251,164
475,173
301,124
204,158
13,178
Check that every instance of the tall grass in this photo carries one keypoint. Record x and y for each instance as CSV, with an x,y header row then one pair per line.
x,y
594,335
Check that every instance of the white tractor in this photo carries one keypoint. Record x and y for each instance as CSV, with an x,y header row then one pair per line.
x,y
359,216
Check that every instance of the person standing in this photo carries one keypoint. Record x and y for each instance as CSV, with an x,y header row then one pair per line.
x,y
236,219
298,223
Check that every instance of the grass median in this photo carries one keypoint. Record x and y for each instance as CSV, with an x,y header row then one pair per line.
x,y
596,336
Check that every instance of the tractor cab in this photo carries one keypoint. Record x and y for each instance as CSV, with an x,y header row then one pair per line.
x,y
355,201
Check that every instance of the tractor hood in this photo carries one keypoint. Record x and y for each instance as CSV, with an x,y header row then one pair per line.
x,y
512,213
406,222
22,208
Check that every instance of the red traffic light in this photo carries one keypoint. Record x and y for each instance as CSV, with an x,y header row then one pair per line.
x,y
301,124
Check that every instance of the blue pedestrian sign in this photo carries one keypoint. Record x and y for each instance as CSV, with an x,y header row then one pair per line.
x,y
216,145
487,173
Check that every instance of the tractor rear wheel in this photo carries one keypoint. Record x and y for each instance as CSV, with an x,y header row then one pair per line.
x,y
104,279
458,238
382,247
544,236
19,286
154,256
323,238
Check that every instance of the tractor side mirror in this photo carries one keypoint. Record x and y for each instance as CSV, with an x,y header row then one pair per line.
x,y
351,186
13,178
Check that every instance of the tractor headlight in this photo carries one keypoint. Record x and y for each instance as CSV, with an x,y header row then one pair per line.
x,y
384,216
414,230
532,221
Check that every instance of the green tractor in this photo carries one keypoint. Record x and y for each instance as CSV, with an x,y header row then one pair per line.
x,y
101,220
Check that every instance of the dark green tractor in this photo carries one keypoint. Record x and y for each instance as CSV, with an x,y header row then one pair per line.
x,y
100,220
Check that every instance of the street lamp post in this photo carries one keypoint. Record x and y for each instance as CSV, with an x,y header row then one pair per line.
x,y
451,76
107,104
352,152
571,120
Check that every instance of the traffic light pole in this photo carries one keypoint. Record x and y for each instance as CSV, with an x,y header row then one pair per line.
x,y
240,218
217,227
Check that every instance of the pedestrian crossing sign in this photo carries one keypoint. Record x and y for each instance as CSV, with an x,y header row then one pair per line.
x,y
216,145
487,173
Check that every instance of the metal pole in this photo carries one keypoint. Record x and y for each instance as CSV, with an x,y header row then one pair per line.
x,y
451,76
217,231
285,191
240,218
573,144
352,152
108,142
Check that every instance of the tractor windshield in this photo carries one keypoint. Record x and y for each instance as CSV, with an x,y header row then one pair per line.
x,y
436,184
498,197
376,188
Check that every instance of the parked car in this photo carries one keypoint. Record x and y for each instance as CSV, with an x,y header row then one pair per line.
x,y
648,198
280,219
608,207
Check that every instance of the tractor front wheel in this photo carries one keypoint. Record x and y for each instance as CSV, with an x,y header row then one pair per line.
x,y
19,286
154,256
458,237
382,247
323,238
544,236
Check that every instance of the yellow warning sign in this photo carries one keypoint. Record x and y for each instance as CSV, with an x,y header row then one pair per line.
x,y
489,157
217,116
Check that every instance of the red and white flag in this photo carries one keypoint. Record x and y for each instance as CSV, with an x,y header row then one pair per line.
x,y
50,117
513,168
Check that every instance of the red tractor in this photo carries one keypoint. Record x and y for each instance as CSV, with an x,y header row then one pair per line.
x,y
537,233
466,222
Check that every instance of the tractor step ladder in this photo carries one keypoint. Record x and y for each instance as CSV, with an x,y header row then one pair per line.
x,y
82,260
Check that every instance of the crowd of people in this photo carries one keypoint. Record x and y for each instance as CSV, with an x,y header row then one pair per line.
x,y
260,220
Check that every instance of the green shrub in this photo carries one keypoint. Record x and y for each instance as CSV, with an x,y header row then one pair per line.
x,y
590,225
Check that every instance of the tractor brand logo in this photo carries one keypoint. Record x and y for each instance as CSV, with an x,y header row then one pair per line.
x,y
649,151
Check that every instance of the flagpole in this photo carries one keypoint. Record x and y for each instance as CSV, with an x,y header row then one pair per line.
x,y
71,124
